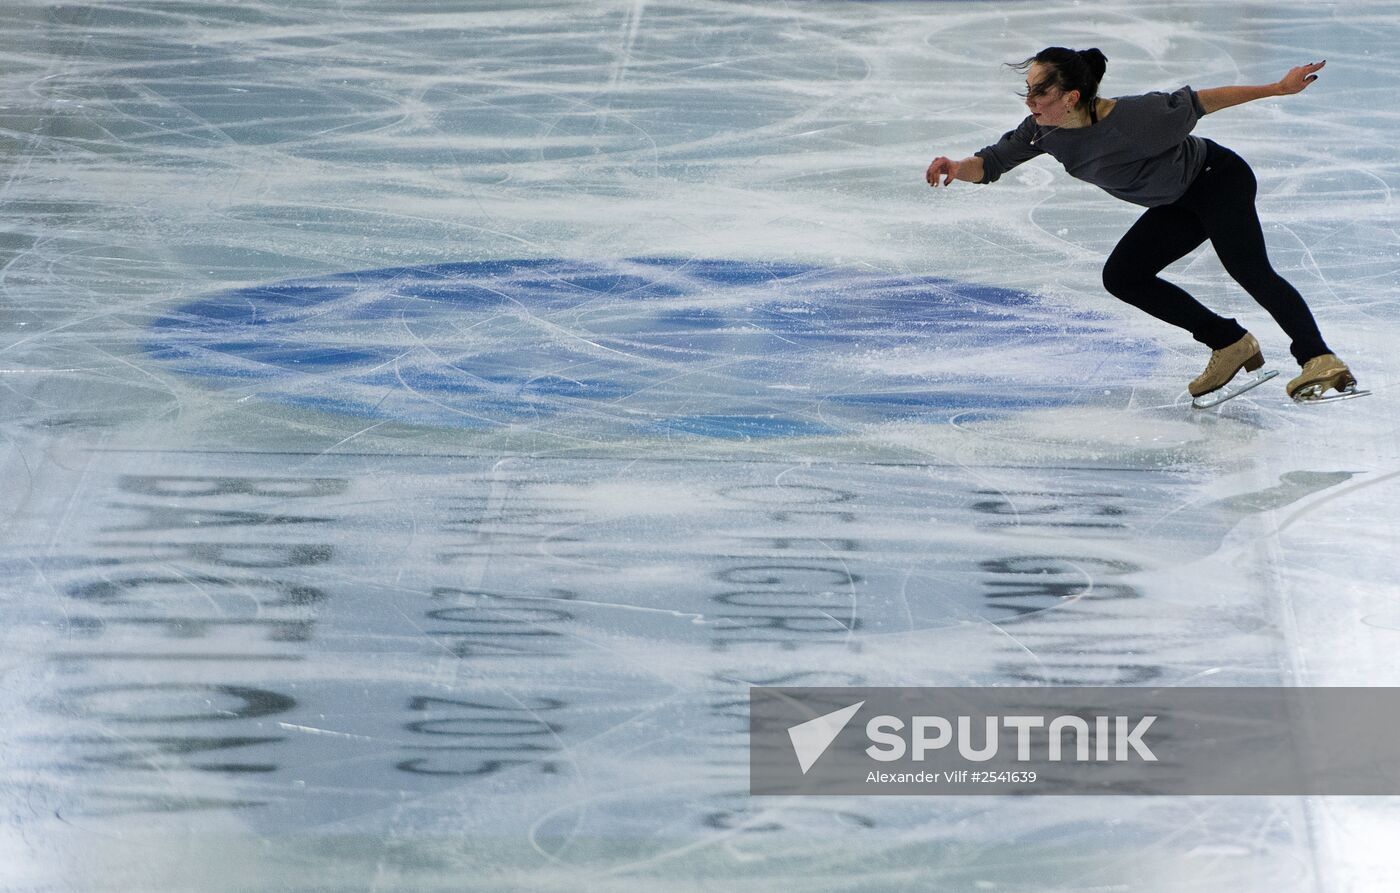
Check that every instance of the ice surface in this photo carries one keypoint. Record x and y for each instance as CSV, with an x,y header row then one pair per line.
x,y
406,405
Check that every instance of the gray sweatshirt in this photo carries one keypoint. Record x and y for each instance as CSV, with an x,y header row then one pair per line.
x,y
1142,152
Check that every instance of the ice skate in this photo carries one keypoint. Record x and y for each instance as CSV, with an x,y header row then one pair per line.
x,y
1322,374
1216,384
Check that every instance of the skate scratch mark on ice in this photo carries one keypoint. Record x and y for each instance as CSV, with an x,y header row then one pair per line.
x,y
1076,251
394,360
1040,664
38,371
1085,593
72,505
904,597
414,218
850,625
1312,261
455,410
976,474
312,730
1185,681
531,318
722,839
344,440
678,374
452,663
565,751
715,839
631,27
696,618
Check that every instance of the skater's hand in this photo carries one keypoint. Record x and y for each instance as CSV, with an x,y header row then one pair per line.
x,y
946,168
1298,78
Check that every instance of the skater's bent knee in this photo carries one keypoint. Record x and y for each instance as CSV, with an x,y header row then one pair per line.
x,y
1120,279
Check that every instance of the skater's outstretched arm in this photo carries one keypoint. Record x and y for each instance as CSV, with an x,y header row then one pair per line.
x,y
987,165
1214,99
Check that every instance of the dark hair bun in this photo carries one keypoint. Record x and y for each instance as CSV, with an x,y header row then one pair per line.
x,y
1097,62
1069,70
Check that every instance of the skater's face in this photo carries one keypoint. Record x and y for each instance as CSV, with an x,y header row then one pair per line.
x,y
1048,104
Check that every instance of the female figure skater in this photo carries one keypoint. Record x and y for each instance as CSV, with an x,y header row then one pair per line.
x,y
1139,148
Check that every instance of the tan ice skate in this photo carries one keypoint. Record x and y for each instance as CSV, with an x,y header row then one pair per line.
x,y
1320,374
1224,364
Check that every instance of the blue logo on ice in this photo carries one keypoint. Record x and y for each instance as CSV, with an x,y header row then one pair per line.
x,y
641,348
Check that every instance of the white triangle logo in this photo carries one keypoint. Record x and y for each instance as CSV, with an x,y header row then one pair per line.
x,y
811,738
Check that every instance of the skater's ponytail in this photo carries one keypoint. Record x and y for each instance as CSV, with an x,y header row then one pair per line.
x,y
1068,70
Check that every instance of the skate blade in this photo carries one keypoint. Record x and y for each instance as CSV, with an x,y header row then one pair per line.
x,y
1317,393
1233,389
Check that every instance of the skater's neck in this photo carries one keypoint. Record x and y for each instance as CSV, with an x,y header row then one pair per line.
x,y
1078,118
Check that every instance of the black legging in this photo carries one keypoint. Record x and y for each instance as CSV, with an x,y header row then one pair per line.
x,y
1219,205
